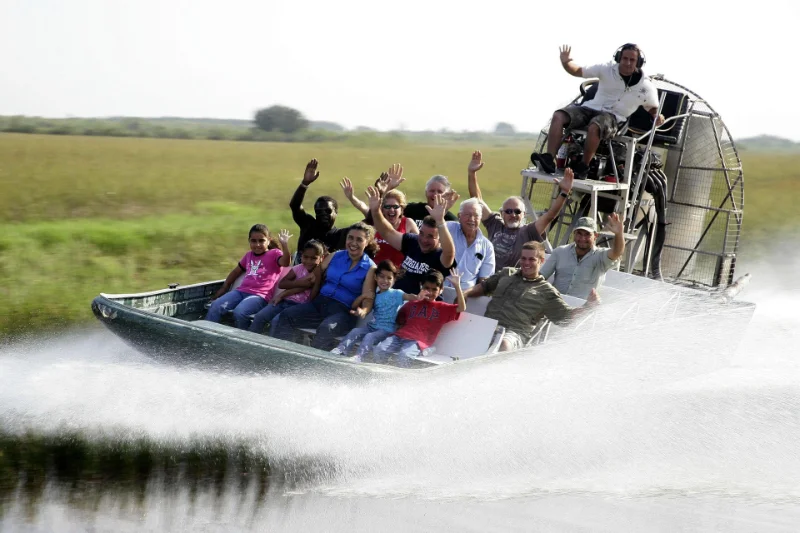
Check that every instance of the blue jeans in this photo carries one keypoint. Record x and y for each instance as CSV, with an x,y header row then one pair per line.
x,y
331,318
268,314
369,338
404,349
243,305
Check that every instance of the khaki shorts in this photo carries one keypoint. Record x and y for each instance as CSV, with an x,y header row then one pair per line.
x,y
580,117
513,340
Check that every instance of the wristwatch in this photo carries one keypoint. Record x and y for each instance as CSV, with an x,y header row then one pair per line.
x,y
565,195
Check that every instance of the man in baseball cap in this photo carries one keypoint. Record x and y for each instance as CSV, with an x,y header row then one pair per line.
x,y
581,266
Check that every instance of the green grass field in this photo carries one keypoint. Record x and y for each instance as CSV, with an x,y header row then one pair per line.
x,y
84,215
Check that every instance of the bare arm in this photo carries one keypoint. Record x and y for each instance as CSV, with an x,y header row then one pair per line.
x,y
615,225
567,63
472,182
474,291
363,304
445,239
411,226
347,188
290,281
555,208
235,273
591,302
285,259
317,280
455,279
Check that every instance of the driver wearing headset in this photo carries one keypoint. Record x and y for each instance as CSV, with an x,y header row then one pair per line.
x,y
622,88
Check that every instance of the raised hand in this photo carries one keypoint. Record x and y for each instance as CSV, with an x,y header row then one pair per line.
x,y
476,163
311,174
450,198
382,183
395,173
614,224
565,53
284,237
347,188
566,183
438,210
373,198
454,277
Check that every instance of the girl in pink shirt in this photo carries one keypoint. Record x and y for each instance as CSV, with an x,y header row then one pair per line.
x,y
296,284
261,268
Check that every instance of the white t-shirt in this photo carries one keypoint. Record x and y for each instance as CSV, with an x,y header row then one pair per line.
x,y
612,95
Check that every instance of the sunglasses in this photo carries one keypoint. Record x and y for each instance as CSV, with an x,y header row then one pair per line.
x,y
512,211
324,210
386,206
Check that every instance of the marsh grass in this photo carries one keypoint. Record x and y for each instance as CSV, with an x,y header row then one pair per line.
x,y
84,215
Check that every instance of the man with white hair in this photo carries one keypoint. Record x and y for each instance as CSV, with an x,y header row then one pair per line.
x,y
438,185
505,229
474,252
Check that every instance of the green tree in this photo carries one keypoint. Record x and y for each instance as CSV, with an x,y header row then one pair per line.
x,y
280,118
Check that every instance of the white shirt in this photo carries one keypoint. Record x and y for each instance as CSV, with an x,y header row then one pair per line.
x,y
614,97
473,261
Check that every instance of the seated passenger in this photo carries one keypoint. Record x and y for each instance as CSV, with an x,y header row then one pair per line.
x,y
296,286
422,252
474,252
394,203
437,187
384,312
622,88
421,320
521,296
580,267
319,226
262,268
349,284
505,229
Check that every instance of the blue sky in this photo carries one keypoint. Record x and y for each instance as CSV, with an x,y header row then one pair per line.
x,y
412,64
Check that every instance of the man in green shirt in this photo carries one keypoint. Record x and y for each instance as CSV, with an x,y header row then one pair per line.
x,y
521,296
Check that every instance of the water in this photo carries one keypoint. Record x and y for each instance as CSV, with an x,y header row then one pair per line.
x,y
559,441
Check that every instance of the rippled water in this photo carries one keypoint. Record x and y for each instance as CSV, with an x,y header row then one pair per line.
x,y
557,441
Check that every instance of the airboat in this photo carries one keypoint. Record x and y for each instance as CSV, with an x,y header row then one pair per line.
x,y
687,169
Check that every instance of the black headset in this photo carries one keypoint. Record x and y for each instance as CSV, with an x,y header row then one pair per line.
x,y
630,46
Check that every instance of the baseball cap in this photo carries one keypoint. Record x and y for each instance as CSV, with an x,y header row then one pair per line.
x,y
586,223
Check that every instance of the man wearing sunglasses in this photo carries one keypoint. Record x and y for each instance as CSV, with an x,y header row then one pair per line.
x,y
319,226
505,229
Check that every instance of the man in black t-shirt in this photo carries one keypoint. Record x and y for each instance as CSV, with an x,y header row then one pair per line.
x,y
432,249
322,226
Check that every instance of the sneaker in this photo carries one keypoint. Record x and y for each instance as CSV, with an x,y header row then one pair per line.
x,y
337,351
581,170
545,162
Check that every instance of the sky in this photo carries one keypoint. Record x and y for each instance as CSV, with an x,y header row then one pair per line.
x,y
388,65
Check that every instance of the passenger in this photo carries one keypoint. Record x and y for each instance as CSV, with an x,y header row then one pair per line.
x,y
321,226
297,286
349,284
422,252
262,268
505,229
474,252
421,320
437,186
384,312
580,267
394,203
521,296
622,88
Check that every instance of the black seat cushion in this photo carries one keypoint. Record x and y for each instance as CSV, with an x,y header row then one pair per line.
x,y
675,103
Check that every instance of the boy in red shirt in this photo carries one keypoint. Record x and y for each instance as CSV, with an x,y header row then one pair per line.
x,y
421,320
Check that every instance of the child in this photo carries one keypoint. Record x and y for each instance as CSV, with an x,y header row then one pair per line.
x,y
384,312
297,285
262,268
421,320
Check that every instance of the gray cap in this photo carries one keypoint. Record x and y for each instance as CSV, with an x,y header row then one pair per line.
x,y
585,223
